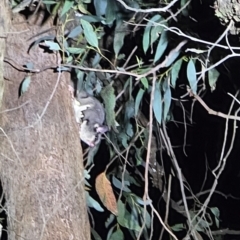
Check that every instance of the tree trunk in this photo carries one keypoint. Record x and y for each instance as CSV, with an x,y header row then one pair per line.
x,y
40,152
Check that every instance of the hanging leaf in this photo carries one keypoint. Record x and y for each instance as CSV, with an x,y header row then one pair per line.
x,y
171,58
156,31
109,99
25,84
178,227
73,50
93,203
52,45
162,45
146,34
109,220
105,193
118,184
167,100
118,235
120,33
192,76
175,71
138,100
144,81
124,218
157,103
95,235
100,7
111,10
66,7
75,32
89,33
82,8
213,75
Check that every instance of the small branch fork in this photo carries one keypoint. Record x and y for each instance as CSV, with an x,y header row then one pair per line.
x,y
209,110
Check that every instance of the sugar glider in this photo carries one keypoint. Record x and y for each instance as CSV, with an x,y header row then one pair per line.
x,y
90,115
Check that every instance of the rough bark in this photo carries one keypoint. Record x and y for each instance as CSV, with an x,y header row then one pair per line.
x,y
40,152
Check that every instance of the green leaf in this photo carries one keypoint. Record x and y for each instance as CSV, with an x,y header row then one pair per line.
x,y
162,45
146,34
178,227
109,220
124,218
192,76
157,103
48,2
100,7
120,33
73,50
138,100
75,32
111,10
89,33
52,45
118,235
25,84
156,31
172,57
175,71
213,75
167,101
147,218
121,209
93,203
109,99
95,235
66,7
118,185
144,81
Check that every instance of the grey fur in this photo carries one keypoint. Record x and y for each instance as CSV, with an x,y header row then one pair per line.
x,y
90,114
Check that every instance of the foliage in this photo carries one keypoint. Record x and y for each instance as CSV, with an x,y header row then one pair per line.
x,y
137,88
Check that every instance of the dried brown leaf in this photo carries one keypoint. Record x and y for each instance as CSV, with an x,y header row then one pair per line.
x,y
105,193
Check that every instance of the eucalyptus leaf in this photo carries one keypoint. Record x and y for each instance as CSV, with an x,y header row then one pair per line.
x,y
120,33
192,76
109,220
75,32
93,203
147,218
119,185
109,99
213,75
95,235
167,101
178,227
100,7
111,10
175,72
29,65
144,81
52,45
118,235
172,57
157,103
162,45
146,34
138,100
74,50
66,7
25,84
89,33
155,33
